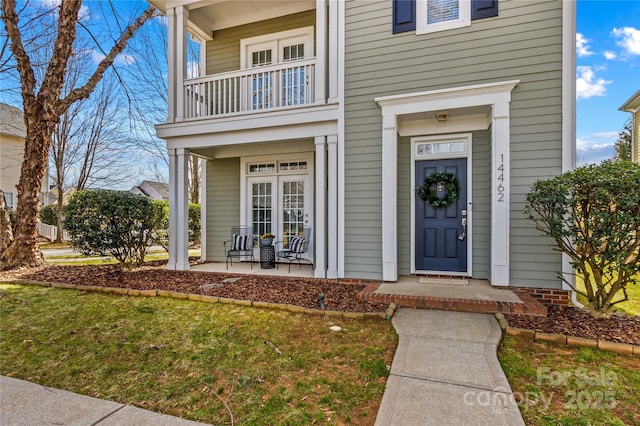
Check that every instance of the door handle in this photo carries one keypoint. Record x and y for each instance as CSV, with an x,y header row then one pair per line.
x,y
463,236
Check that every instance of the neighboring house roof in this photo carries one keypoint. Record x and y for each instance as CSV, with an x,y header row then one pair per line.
x,y
155,190
632,104
12,121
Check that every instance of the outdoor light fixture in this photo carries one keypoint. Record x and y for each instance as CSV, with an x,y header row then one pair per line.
x,y
442,115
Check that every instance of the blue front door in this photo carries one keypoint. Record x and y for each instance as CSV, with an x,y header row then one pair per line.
x,y
441,243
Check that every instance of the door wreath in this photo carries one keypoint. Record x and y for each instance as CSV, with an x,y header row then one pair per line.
x,y
440,180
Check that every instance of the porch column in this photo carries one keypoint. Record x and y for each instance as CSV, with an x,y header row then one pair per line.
x,y
334,27
389,199
173,219
321,193
171,65
321,51
203,209
178,209
500,195
332,207
182,14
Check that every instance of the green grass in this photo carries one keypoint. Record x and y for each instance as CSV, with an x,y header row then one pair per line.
x,y
81,259
558,385
193,359
630,307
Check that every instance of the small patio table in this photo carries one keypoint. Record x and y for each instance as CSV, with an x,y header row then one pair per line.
x,y
267,257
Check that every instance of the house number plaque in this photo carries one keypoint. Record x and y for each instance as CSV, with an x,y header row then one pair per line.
x,y
500,179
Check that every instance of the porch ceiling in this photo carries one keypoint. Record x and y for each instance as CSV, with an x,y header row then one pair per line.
x,y
458,119
212,15
261,148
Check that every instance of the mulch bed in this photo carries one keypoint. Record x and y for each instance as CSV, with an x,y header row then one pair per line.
x,y
285,290
304,292
572,321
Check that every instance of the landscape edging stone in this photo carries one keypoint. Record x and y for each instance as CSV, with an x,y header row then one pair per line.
x,y
205,298
603,345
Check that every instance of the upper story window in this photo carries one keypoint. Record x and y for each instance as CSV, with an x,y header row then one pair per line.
x,y
440,15
8,198
427,16
276,48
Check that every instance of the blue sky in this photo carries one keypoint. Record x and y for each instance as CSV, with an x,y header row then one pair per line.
x,y
608,73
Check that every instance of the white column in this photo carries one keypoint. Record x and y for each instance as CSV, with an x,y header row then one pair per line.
x,y
334,27
182,210
203,209
171,65
321,51
182,14
500,195
389,199
332,206
320,217
173,219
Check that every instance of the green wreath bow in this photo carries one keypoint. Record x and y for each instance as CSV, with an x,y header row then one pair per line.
x,y
429,195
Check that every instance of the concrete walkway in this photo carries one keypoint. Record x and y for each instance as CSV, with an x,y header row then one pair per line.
x,y
25,403
446,372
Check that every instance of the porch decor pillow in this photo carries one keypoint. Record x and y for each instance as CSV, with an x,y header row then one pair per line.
x,y
296,244
240,242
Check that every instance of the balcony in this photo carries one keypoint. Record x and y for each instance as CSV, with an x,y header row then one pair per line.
x,y
273,87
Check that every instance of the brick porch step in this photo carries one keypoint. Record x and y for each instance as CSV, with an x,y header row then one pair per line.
x,y
528,305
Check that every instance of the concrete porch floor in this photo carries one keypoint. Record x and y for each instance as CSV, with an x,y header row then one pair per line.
x,y
301,271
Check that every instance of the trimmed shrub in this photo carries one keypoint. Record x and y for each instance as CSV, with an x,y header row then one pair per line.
x,y
118,223
48,215
593,215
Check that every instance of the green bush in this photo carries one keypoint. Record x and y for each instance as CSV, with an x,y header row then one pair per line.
x,y
194,223
194,220
119,223
593,215
48,214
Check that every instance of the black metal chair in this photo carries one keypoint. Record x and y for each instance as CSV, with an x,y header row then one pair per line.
x,y
240,244
294,248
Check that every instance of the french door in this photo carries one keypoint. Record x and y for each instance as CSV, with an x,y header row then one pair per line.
x,y
279,205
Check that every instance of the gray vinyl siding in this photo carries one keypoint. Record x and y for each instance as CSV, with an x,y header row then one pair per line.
x,y
223,52
523,43
223,204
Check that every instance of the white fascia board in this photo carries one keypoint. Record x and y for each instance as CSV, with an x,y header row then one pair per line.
x,y
458,97
240,137
239,122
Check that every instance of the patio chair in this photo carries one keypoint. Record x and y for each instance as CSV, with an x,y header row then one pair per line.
x,y
294,248
240,244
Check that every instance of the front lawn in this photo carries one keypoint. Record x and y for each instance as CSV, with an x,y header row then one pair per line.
x,y
560,385
200,361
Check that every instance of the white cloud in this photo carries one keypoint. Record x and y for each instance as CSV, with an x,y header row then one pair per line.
x,y
629,39
582,46
83,15
121,59
610,55
587,85
596,147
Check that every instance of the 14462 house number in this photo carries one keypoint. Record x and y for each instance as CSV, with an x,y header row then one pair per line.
x,y
500,179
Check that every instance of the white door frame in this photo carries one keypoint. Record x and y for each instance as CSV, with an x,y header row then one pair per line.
x,y
467,138
276,177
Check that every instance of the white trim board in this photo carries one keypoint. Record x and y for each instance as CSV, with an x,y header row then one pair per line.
x,y
495,95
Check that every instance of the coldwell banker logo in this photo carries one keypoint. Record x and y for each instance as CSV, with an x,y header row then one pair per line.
x,y
578,389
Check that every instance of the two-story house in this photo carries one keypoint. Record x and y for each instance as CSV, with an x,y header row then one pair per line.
x,y
332,113
632,105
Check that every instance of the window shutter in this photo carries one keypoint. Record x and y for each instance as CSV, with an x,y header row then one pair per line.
x,y
404,16
484,9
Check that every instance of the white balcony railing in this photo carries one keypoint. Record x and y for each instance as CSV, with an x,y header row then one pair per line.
x,y
276,86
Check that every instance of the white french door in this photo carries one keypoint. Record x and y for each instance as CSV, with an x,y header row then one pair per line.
x,y
280,205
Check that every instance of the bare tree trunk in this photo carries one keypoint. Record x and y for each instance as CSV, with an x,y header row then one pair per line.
x,y
6,234
24,250
194,180
42,111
